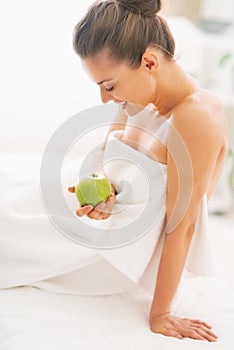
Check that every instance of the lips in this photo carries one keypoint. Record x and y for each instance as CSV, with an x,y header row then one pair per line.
x,y
122,104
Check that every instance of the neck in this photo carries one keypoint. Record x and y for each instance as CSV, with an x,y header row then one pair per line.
x,y
174,85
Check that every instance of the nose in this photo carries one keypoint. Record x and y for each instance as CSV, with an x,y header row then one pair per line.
x,y
105,95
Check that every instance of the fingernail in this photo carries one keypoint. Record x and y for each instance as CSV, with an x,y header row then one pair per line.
x,y
214,339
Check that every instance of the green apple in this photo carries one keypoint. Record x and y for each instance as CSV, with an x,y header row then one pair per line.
x,y
93,189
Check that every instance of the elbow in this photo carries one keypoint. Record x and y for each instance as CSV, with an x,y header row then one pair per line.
x,y
191,229
188,229
187,226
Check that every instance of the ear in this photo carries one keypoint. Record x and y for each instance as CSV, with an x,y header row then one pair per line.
x,y
149,60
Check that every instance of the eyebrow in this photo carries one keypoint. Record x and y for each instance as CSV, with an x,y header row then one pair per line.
x,y
103,81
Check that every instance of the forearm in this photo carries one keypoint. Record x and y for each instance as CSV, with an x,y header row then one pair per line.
x,y
170,270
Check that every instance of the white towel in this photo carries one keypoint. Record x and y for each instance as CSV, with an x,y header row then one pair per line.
x,y
121,162
32,250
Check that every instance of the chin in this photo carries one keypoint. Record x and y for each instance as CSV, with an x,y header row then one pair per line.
x,y
133,108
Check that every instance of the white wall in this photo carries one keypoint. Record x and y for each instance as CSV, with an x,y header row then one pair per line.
x,y
218,10
193,9
41,81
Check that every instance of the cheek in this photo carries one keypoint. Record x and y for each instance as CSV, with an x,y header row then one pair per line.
x,y
143,89
141,93
136,89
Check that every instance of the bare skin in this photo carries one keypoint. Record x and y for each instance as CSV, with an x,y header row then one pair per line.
x,y
198,117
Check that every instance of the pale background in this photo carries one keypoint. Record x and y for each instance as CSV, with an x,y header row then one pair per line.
x,y
41,81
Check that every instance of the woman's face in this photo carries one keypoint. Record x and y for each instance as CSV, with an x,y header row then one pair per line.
x,y
119,82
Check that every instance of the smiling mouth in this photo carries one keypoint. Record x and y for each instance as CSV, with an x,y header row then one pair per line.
x,y
122,104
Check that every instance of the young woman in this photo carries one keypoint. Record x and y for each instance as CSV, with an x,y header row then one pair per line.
x,y
128,51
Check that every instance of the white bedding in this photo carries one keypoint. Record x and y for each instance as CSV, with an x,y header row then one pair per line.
x,y
33,250
31,318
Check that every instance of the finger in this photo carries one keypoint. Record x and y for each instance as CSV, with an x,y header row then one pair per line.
x,y
196,334
202,323
204,329
172,333
81,211
71,189
100,207
207,336
109,204
104,209
191,333
97,211
111,198
105,216
102,216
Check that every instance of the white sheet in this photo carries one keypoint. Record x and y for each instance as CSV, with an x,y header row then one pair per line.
x,y
35,319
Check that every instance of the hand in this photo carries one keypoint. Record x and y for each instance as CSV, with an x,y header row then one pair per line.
x,y
102,211
180,328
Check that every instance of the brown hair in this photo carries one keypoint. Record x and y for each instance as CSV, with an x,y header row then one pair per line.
x,y
126,28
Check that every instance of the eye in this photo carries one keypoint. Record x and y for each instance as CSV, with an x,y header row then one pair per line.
x,y
110,89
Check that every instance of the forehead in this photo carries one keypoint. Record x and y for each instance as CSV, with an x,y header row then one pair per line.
x,y
102,67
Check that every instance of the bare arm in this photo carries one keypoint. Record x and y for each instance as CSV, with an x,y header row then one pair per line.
x,y
202,148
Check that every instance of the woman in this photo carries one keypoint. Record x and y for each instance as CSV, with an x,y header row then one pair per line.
x,y
128,50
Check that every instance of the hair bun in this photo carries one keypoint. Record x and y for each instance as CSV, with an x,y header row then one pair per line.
x,y
147,8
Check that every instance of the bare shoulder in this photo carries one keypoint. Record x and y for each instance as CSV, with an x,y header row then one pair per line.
x,y
201,124
200,118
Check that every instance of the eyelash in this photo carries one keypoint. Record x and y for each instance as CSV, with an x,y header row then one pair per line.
x,y
110,89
